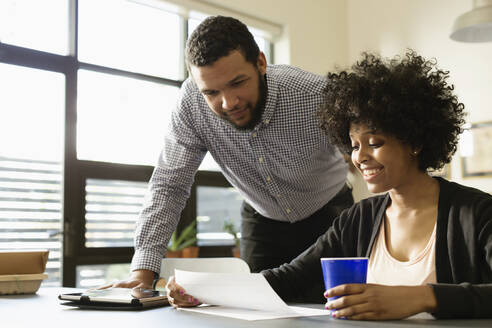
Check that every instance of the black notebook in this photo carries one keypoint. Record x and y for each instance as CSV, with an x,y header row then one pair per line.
x,y
116,299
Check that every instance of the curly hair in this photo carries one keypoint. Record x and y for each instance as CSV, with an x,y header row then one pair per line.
x,y
407,98
216,37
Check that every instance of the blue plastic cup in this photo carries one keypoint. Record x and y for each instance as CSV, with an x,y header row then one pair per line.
x,y
343,270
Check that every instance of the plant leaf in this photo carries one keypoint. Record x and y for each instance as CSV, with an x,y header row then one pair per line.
x,y
187,234
172,245
187,243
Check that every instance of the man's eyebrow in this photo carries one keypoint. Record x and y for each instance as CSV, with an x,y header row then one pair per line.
x,y
206,91
237,78
234,80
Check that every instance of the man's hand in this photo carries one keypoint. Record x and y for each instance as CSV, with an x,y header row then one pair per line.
x,y
378,302
177,297
138,278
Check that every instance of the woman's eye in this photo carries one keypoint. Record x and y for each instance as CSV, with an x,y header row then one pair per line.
x,y
355,148
375,145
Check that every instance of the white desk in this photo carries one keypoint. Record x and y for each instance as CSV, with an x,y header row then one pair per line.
x,y
44,310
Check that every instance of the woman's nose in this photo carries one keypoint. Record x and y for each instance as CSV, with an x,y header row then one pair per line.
x,y
360,155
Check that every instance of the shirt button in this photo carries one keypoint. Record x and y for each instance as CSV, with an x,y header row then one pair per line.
x,y
268,179
260,159
253,134
278,195
287,210
267,121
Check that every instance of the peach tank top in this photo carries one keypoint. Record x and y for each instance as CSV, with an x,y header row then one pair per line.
x,y
384,269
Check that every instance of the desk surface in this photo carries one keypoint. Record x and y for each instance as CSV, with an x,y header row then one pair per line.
x,y
44,310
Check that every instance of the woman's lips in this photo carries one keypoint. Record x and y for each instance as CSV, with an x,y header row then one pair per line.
x,y
371,174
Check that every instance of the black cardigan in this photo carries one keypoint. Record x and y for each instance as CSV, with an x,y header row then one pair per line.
x,y
463,251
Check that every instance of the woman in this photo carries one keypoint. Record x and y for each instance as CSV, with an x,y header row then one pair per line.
x,y
429,241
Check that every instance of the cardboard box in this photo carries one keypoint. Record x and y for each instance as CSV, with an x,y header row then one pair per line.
x,y
23,262
21,272
21,283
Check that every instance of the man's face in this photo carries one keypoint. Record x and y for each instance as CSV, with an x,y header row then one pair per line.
x,y
233,88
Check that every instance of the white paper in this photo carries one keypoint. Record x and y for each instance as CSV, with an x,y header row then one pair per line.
x,y
247,314
246,296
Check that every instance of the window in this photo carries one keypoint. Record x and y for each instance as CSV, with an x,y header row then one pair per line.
x,y
111,209
87,89
137,112
40,25
215,207
91,276
30,162
131,36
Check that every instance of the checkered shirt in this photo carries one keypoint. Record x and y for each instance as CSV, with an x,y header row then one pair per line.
x,y
285,167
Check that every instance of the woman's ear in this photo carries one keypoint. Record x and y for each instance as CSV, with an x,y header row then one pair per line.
x,y
416,151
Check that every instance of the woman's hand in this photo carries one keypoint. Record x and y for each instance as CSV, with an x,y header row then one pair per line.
x,y
379,302
177,297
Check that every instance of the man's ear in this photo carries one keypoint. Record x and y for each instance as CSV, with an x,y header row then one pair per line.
x,y
261,63
188,68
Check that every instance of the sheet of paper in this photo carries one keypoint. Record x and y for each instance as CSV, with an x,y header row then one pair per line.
x,y
252,315
245,296
242,290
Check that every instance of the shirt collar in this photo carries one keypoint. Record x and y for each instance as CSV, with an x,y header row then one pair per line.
x,y
271,101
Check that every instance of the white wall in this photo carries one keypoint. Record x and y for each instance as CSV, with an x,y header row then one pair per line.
x,y
319,34
390,26
314,31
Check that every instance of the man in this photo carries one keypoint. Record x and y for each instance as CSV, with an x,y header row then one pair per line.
x,y
259,125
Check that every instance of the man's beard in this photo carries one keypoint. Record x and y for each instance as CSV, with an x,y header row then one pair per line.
x,y
257,111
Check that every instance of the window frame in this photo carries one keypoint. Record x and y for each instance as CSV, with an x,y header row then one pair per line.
x,y
76,172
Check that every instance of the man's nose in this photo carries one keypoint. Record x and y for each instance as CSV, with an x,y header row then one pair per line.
x,y
229,101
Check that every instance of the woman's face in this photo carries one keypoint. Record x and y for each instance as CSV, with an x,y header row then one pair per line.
x,y
384,161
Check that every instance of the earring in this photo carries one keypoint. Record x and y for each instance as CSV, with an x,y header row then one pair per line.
x,y
415,153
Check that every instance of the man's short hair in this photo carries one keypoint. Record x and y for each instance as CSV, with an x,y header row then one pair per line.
x,y
216,37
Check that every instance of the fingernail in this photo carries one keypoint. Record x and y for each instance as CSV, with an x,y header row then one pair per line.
x,y
181,292
196,301
190,299
334,314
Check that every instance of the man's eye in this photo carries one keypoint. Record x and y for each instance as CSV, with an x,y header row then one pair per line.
x,y
237,83
355,148
210,93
